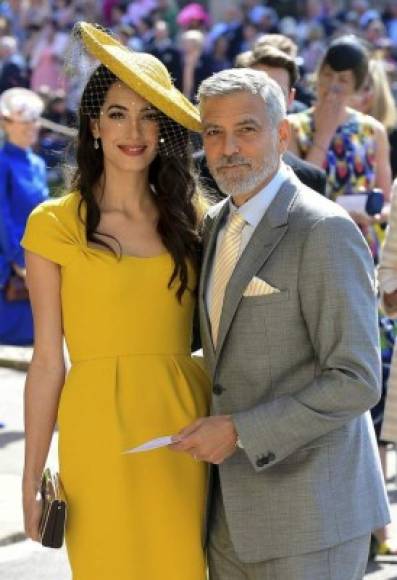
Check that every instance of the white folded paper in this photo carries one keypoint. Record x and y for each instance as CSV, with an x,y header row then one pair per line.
x,y
353,202
150,445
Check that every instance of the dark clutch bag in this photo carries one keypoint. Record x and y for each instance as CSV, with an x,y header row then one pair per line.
x,y
16,289
52,523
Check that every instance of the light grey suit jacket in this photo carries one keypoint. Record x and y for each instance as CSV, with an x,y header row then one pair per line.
x,y
298,370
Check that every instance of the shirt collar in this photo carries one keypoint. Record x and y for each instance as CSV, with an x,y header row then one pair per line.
x,y
255,208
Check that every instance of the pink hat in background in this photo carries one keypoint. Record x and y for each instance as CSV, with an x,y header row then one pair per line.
x,y
191,13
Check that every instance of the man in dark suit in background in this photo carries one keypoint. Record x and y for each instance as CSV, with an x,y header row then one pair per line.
x,y
283,69
164,49
13,70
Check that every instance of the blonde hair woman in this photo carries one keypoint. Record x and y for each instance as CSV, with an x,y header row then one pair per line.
x,y
376,98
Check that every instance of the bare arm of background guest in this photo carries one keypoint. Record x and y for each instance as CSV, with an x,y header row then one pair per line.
x,y
328,115
383,178
387,272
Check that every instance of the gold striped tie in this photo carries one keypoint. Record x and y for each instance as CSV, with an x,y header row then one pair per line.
x,y
225,262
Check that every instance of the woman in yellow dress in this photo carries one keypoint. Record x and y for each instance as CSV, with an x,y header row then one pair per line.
x,y
112,268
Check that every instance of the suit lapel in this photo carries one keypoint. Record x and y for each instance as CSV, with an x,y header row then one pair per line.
x,y
209,249
265,239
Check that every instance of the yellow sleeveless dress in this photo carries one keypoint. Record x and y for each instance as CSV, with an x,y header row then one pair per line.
x,y
139,516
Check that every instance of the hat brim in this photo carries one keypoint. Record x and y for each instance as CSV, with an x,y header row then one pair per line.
x,y
138,71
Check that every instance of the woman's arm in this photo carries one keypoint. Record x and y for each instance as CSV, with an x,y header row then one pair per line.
x,y
383,178
316,154
328,115
44,380
387,271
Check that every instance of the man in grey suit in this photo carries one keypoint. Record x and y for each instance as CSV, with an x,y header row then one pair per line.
x,y
293,354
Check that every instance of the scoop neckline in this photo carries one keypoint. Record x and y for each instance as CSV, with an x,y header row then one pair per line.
x,y
122,256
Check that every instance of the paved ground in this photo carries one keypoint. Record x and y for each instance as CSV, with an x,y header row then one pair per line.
x,y
25,560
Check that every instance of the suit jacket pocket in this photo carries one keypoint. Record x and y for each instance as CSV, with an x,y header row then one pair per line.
x,y
259,287
282,296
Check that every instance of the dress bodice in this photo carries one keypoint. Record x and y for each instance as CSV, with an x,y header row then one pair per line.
x,y
110,306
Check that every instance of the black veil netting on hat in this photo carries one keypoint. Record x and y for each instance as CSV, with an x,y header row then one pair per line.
x,y
94,80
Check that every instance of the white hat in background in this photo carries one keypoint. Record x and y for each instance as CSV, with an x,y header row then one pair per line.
x,y
19,104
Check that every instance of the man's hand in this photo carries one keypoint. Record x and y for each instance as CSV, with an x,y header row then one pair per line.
x,y
211,439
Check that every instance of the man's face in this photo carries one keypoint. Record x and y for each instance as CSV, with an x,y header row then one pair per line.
x,y
281,77
242,149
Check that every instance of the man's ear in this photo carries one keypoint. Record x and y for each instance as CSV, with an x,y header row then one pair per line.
x,y
284,134
94,126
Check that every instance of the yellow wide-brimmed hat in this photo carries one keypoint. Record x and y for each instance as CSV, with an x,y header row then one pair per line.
x,y
142,72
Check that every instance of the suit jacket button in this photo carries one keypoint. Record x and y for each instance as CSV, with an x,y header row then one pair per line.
x,y
218,389
265,459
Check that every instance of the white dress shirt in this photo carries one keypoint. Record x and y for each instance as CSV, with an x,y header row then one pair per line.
x,y
252,211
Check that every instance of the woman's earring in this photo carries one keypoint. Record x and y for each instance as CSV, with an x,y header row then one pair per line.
x,y
96,143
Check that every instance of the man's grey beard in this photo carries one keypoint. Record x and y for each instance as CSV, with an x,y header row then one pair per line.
x,y
245,184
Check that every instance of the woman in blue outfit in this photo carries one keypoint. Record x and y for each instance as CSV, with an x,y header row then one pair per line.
x,y
23,186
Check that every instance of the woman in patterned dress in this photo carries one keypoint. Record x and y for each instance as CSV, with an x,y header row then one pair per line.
x,y
351,147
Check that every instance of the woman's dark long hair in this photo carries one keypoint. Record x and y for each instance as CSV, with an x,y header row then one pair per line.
x,y
172,179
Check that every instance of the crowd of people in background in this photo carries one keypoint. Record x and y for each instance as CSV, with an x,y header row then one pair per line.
x,y
193,45
188,40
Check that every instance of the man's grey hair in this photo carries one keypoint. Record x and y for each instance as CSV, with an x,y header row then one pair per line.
x,y
235,80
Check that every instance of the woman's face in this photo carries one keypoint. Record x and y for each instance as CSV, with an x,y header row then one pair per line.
x,y
21,133
128,128
340,83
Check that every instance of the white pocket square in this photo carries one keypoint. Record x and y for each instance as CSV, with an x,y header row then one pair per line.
x,y
258,287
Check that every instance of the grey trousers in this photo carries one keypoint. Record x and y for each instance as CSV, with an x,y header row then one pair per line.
x,y
345,561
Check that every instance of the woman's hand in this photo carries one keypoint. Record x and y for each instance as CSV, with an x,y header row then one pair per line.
x,y
328,115
32,510
382,217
